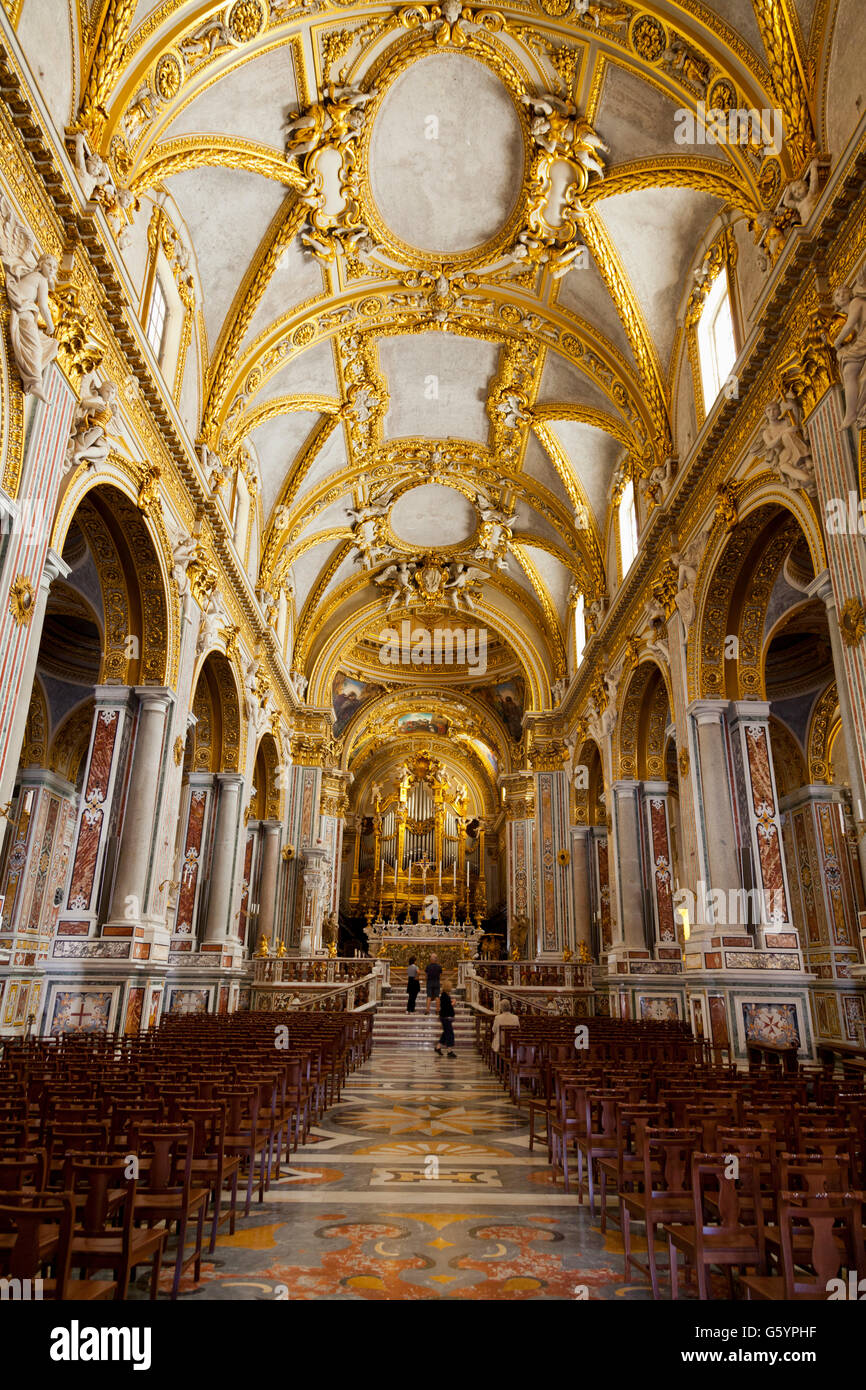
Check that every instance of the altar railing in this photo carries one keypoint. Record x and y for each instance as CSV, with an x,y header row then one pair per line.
x,y
571,974
351,996
572,999
318,970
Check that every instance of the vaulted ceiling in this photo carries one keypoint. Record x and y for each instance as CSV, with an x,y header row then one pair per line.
x,y
441,257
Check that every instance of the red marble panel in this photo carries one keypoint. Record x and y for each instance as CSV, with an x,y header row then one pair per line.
x,y
662,869
191,861
93,814
73,928
604,894
713,960
764,803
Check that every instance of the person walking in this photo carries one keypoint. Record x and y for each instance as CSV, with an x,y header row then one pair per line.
x,y
445,1009
413,985
434,977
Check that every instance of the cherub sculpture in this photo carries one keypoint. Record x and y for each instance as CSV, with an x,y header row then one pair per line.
x,y
96,415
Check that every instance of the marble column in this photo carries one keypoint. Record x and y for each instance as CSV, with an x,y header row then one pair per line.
x,y
717,841
270,852
581,889
628,875
132,877
217,925
53,568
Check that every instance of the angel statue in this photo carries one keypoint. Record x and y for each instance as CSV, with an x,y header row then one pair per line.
x,y
687,562
28,280
461,583
183,548
214,618
251,692
400,577
850,345
95,416
782,443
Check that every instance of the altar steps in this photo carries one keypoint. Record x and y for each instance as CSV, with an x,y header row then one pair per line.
x,y
393,1027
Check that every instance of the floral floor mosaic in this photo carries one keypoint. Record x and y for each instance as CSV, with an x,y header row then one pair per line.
x,y
418,1185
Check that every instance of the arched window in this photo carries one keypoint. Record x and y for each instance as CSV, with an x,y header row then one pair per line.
x,y
627,527
579,630
156,319
717,348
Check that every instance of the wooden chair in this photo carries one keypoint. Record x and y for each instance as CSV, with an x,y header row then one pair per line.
x,y
41,1234
667,1197
735,1237
168,1195
211,1163
95,1244
832,1224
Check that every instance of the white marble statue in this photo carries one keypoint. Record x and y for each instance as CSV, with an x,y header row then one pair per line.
x,y
802,194
462,587
252,701
659,482
783,445
299,683
183,548
29,277
850,345
91,168
96,416
214,617
559,688
688,562
399,577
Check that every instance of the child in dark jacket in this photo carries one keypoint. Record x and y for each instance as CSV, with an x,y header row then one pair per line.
x,y
445,1009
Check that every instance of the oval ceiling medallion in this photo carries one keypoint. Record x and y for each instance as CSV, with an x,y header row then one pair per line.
x,y
446,155
431,516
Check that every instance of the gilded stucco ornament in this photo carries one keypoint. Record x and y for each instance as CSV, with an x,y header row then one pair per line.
x,y
564,140
22,600
323,138
852,622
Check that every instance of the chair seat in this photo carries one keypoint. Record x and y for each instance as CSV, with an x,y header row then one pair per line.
x,y
142,1246
685,1239
158,1204
81,1290
662,1208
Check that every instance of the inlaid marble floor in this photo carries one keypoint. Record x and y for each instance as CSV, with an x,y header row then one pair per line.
x,y
418,1185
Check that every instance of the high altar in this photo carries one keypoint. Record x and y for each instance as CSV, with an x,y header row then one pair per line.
x,y
421,854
